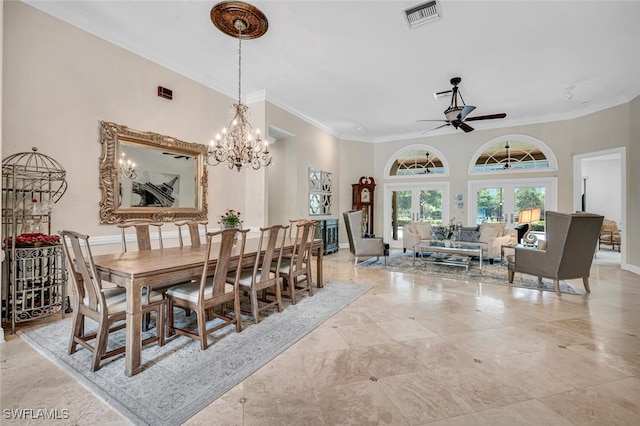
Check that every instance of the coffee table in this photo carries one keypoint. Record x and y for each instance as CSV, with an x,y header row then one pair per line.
x,y
458,254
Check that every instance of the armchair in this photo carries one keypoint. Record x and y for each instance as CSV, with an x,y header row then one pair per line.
x,y
609,234
413,233
358,245
571,243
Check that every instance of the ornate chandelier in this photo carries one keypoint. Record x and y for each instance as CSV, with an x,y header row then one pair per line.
x,y
237,146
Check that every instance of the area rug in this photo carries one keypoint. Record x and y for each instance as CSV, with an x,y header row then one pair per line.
x,y
489,274
179,379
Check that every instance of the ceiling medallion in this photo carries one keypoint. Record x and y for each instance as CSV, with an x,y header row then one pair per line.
x,y
227,15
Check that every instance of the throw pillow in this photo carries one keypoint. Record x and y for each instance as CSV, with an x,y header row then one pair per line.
x,y
488,233
424,230
497,225
469,235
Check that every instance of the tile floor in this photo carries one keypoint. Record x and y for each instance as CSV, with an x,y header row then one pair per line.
x,y
416,350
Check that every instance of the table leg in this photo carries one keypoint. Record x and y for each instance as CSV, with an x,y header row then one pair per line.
x,y
480,262
134,333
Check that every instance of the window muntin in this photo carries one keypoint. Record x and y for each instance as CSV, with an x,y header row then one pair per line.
x,y
416,162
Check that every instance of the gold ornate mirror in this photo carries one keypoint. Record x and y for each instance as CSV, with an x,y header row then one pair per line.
x,y
146,175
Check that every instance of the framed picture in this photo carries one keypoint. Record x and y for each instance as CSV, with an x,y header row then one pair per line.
x,y
320,187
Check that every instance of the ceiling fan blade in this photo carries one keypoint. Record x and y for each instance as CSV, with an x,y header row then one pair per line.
x,y
444,121
466,127
436,128
486,117
466,111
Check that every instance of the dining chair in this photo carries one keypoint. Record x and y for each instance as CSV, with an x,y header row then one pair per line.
x,y
142,231
105,306
259,278
211,288
292,226
297,268
194,230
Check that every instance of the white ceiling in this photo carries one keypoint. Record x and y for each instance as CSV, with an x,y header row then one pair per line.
x,y
342,64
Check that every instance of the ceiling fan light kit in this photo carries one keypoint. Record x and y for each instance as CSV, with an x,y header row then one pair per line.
x,y
456,115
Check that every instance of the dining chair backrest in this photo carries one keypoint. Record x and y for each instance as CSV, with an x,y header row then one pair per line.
x,y
270,249
292,226
85,275
303,245
143,233
194,230
226,248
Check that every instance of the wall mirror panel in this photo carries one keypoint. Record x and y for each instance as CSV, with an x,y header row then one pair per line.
x,y
146,175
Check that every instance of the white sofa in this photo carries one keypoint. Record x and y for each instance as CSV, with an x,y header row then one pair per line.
x,y
491,236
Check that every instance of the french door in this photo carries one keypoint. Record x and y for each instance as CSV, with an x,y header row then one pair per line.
x,y
404,204
502,201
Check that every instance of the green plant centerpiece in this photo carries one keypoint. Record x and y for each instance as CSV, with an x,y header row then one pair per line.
x,y
230,219
447,232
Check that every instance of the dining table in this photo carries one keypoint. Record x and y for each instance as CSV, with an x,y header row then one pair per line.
x,y
135,270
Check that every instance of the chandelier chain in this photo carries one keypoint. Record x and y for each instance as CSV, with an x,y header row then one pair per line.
x,y
238,146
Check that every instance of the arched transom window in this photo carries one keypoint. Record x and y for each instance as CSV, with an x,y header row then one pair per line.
x,y
512,153
417,161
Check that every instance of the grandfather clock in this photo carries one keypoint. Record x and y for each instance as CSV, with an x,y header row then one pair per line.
x,y
363,200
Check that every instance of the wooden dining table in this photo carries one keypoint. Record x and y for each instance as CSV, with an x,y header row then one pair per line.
x,y
139,269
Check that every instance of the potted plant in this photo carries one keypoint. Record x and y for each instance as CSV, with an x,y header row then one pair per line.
x,y
230,219
447,233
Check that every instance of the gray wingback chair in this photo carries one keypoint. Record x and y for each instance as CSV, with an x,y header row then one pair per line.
x,y
571,243
360,246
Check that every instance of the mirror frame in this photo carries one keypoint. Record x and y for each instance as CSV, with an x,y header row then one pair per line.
x,y
110,212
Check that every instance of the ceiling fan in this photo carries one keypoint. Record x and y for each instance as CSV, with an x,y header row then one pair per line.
x,y
457,115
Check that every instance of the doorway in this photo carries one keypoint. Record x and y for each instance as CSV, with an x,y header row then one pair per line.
x,y
405,203
599,186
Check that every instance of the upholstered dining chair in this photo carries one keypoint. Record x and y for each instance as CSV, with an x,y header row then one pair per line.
x,y
571,241
105,306
211,288
194,227
296,268
257,280
142,231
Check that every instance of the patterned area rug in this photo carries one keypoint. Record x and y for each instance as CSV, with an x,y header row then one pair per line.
x,y
489,274
179,379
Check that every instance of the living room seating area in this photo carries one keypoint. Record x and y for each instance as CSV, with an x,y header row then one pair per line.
x,y
491,236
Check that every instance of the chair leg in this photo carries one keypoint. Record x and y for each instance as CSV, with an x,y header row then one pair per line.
x,y
160,324
510,275
253,295
78,329
100,345
556,285
585,281
202,328
236,313
278,295
355,262
292,290
170,328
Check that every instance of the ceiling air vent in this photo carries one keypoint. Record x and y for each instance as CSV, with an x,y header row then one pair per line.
x,y
422,13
